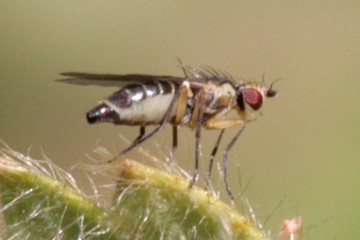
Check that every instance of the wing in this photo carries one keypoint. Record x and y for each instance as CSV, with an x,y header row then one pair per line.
x,y
111,80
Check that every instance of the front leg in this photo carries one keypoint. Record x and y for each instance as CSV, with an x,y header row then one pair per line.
x,y
218,124
225,162
223,123
212,157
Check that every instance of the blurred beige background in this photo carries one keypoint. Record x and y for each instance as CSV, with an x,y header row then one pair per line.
x,y
304,151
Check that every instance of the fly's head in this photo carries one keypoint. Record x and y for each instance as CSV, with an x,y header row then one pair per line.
x,y
250,98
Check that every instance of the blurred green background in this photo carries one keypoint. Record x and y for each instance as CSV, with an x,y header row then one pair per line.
x,y
303,152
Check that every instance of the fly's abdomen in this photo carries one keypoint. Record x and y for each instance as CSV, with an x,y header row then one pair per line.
x,y
136,104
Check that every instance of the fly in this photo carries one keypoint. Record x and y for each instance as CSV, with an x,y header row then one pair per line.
x,y
202,98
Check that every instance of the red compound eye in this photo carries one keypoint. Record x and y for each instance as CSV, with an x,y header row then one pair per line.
x,y
253,97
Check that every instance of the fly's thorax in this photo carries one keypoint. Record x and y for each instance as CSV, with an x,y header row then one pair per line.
x,y
219,97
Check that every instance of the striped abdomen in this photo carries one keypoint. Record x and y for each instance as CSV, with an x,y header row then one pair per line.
x,y
136,104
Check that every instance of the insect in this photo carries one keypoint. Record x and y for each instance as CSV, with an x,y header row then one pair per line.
x,y
204,97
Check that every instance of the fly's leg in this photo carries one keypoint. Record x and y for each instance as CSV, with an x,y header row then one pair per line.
x,y
141,134
225,161
222,124
136,141
197,119
212,156
174,140
180,113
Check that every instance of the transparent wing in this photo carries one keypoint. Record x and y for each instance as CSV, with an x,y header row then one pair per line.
x,y
79,78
